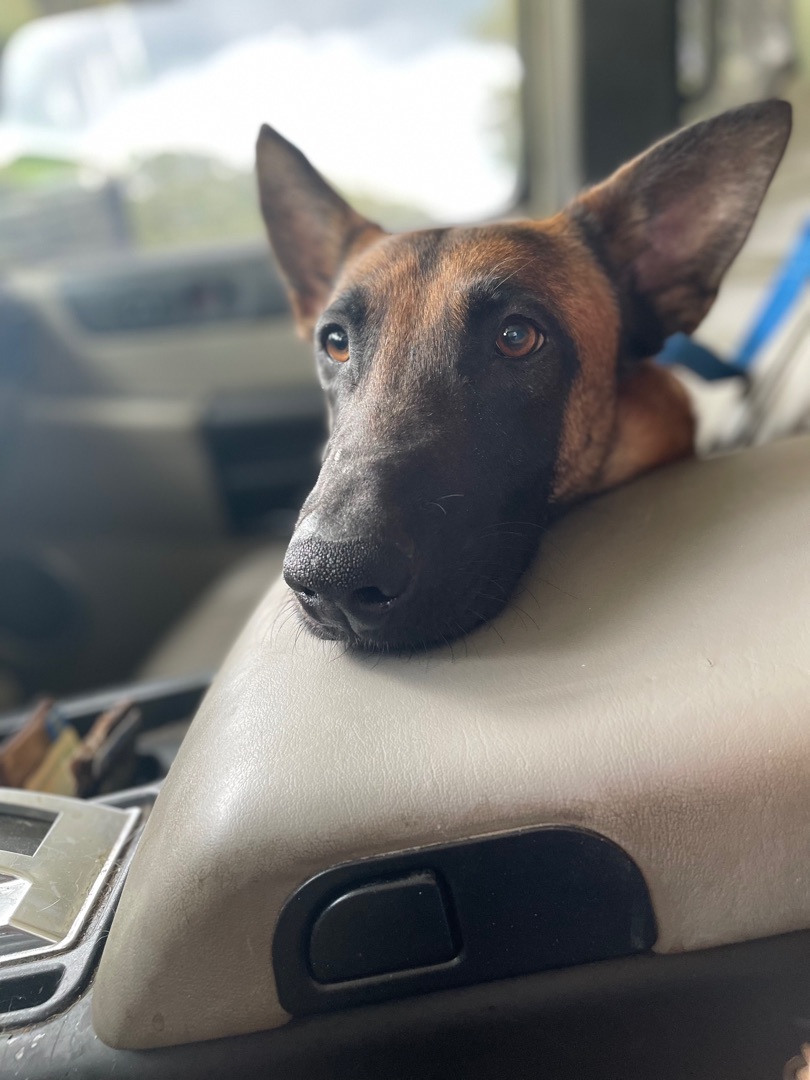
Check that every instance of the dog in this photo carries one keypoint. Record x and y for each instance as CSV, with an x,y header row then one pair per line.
x,y
482,379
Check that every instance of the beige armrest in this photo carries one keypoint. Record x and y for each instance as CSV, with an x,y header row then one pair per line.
x,y
651,683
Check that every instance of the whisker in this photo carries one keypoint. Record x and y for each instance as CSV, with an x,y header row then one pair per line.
x,y
339,655
507,532
497,529
280,629
489,596
530,524
497,585
525,589
491,625
441,499
465,638
523,266
559,588
287,608
518,608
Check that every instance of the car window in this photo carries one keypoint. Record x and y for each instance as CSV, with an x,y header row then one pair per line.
x,y
132,125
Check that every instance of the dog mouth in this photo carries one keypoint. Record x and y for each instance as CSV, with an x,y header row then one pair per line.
x,y
410,637
438,610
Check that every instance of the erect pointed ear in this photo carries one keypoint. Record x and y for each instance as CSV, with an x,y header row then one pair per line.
x,y
312,229
669,224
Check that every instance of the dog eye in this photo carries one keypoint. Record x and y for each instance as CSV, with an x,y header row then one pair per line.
x,y
518,337
335,341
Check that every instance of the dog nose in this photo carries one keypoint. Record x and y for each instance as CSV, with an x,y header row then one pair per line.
x,y
364,580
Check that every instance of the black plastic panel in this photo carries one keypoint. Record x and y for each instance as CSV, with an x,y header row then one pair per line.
x,y
522,902
394,925
739,1012
629,80
148,294
265,449
26,992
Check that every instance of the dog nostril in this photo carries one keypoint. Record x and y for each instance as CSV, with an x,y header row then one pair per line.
x,y
327,578
371,596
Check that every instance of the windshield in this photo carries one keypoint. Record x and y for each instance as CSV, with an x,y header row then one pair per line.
x,y
139,119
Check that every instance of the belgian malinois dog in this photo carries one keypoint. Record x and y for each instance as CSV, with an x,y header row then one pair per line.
x,y
481,379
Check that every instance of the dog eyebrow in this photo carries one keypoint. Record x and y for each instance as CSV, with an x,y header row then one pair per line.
x,y
482,290
350,306
490,289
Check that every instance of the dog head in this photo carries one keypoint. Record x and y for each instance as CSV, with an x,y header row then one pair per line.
x,y
479,378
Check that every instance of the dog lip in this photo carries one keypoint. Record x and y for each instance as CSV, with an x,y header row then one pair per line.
x,y
327,631
404,638
332,620
328,620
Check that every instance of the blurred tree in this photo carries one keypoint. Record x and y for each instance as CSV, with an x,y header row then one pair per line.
x,y
59,7
497,22
174,200
14,13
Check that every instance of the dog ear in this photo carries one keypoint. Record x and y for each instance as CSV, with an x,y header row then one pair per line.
x,y
312,229
669,223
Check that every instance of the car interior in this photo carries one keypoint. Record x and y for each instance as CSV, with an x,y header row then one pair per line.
x,y
574,841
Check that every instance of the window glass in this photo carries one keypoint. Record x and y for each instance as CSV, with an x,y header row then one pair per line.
x,y
133,125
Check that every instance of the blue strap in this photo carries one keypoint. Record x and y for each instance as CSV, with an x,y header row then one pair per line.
x,y
680,349
783,294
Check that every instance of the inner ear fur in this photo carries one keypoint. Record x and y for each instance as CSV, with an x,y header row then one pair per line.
x,y
312,229
668,224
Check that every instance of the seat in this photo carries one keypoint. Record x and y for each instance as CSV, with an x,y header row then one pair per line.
x,y
200,640
649,684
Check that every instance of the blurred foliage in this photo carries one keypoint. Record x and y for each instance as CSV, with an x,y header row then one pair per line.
x,y
497,22
30,172
163,202
176,199
179,199
801,21
14,13
59,7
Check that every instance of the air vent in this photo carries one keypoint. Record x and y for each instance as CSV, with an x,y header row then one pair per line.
x,y
12,940
150,295
28,991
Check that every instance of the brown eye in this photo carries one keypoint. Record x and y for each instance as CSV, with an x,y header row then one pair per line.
x,y
518,337
336,343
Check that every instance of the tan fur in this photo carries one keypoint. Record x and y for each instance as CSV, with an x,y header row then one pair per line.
x,y
798,1068
654,426
591,313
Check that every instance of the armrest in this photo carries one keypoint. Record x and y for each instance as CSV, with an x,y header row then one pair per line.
x,y
650,684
